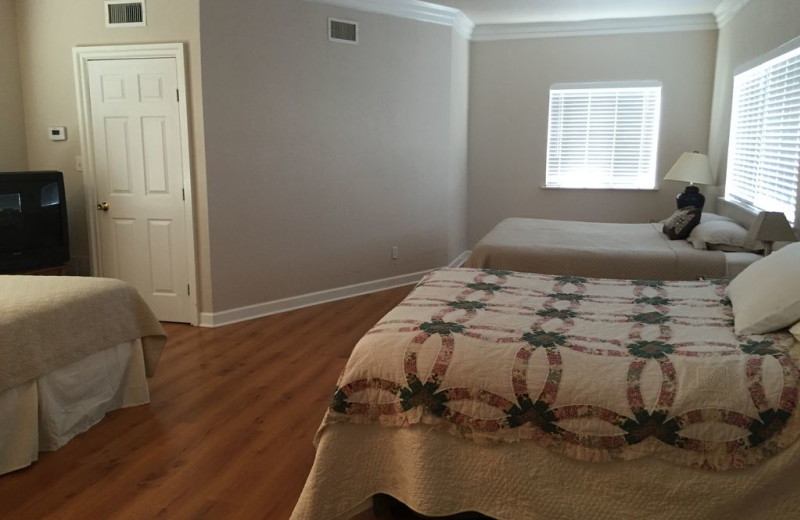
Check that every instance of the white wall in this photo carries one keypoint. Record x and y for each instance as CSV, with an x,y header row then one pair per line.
x,y
13,156
760,27
459,117
322,156
48,30
509,95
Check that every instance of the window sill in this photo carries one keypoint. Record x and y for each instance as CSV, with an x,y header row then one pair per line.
x,y
751,210
745,213
559,188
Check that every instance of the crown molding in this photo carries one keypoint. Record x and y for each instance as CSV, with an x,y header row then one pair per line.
x,y
455,18
413,10
463,25
594,27
726,10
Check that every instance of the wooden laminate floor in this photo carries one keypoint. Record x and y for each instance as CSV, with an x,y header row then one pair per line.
x,y
227,433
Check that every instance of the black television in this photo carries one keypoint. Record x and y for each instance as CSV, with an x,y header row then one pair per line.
x,y
33,221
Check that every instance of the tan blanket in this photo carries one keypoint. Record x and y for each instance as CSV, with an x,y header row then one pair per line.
x,y
48,322
595,369
598,250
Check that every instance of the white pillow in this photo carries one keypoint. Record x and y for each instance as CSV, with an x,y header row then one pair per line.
x,y
796,330
708,217
766,295
722,233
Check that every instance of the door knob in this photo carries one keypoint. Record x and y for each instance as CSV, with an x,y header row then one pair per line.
x,y
103,206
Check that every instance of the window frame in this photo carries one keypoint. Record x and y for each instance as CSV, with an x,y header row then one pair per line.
x,y
645,180
785,52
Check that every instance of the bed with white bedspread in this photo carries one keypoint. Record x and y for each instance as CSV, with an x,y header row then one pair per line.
x,y
71,349
600,250
527,396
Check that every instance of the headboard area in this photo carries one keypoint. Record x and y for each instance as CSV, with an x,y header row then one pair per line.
x,y
740,215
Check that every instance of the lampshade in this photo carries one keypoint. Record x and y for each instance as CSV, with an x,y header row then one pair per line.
x,y
692,168
771,226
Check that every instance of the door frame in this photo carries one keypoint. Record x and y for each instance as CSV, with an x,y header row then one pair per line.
x,y
81,58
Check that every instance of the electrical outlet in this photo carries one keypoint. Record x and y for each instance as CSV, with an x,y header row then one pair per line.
x,y
78,163
395,253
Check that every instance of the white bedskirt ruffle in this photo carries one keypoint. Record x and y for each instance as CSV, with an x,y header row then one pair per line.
x,y
44,414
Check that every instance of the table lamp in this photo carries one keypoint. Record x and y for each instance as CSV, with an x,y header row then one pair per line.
x,y
694,169
769,227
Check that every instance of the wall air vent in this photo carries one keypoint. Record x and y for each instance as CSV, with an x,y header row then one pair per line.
x,y
125,13
343,31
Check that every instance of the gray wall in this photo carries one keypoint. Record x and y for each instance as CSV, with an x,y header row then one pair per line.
x,y
760,27
509,95
322,156
13,154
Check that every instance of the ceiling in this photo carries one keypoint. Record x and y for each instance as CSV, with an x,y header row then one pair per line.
x,y
483,12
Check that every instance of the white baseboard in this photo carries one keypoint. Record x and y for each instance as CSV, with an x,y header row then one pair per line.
x,y
460,259
259,310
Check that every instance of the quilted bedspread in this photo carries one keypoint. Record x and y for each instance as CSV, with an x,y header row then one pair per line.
x,y
596,369
48,322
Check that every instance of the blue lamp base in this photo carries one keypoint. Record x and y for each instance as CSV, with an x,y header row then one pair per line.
x,y
691,196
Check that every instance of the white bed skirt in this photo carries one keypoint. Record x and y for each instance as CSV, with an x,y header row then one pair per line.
x,y
43,415
437,474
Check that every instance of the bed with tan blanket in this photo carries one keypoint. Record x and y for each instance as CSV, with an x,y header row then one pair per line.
x,y
600,250
526,396
71,349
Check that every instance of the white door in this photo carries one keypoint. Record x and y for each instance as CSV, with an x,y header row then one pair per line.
x,y
136,149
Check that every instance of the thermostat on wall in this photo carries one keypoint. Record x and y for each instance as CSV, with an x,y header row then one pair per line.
x,y
57,133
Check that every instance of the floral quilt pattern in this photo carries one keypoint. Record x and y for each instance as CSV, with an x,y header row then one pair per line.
x,y
597,369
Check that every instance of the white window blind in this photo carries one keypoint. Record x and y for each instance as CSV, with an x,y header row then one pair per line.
x,y
603,135
764,146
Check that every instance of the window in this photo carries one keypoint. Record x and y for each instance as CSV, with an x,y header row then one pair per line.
x,y
764,145
603,135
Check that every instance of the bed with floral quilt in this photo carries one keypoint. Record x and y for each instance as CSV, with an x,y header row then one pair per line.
x,y
526,396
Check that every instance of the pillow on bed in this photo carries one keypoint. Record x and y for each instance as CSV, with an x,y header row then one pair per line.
x,y
722,235
680,224
708,217
766,295
796,331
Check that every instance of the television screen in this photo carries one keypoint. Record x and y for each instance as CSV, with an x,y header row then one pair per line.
x,y
33,220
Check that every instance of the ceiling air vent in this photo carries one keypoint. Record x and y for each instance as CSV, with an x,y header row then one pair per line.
x,y
343,31
124,13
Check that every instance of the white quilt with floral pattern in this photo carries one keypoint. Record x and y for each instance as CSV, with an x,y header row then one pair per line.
x,y
596,369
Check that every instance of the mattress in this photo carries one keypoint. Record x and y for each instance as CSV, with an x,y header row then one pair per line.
x,y
599,250
737,262
537,396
